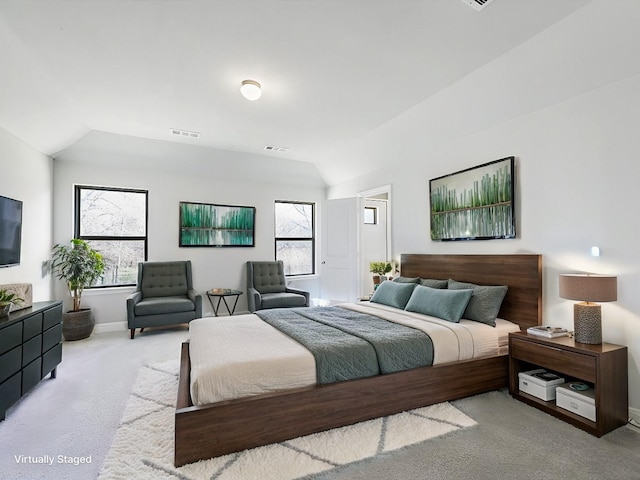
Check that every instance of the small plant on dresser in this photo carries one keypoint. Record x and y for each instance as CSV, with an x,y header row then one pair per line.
x,y
7,300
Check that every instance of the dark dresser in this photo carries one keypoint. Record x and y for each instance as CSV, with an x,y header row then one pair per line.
x,y
30,349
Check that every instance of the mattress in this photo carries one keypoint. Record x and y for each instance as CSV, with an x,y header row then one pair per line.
x,y
240,356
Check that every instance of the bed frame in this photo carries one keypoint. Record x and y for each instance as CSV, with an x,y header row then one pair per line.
x,y
233,425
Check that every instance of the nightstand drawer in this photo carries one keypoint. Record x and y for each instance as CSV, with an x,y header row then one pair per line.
x,y
569,363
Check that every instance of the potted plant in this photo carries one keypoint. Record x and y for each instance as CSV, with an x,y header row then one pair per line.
x,y
79,266
7,299
380,269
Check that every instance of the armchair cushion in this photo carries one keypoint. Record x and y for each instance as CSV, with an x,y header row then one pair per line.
x,y
268,277
158,305
164,279
283,300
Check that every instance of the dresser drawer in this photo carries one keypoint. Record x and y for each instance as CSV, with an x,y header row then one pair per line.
x,y
10,362
31,375
51,359
51,337
52,317
563,361
10,392
31,349
32,326
10,337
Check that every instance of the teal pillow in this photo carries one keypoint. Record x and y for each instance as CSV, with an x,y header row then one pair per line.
x,y
394,294
430,282
402,279
485,302
445,304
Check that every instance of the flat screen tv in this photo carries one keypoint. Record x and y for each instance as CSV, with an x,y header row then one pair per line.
x,y
10,231
474,204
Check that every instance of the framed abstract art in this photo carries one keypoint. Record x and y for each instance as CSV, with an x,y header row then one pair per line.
x,y
474,204
210,225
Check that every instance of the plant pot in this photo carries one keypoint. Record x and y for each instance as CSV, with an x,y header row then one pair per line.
x,y
4,310
77,325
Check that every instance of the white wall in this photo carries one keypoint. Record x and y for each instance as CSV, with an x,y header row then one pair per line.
x,y
212,267
27,176
577,170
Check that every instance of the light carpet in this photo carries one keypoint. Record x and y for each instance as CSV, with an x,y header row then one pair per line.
x,y
143,445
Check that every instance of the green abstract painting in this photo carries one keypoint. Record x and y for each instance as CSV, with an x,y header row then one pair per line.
x,y
474,204
209,225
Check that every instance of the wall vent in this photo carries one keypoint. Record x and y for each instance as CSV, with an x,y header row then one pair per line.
x,y
185,133
274,148
477,4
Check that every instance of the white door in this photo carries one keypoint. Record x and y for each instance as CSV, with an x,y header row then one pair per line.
x,y
373,241
339,250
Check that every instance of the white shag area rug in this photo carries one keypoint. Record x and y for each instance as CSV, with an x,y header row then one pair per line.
x,y
143,445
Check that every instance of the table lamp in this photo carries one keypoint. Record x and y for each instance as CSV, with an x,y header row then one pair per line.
x,y
587,316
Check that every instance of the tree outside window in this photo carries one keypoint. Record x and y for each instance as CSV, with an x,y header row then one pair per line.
x,y
114,222
295,237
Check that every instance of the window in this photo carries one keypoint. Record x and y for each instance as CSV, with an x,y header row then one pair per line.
x,y
295,237
370,215
114,222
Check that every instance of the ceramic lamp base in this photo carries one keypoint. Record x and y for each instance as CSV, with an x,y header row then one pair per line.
x,y
587,323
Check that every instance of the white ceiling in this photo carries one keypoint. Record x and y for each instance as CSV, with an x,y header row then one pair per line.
x,y
332,70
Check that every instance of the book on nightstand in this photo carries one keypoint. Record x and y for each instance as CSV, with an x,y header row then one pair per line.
x,y
547,331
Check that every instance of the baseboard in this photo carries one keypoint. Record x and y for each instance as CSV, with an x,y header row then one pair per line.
x,y
634,414
110,327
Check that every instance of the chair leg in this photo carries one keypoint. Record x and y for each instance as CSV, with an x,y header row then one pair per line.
x,y
133,332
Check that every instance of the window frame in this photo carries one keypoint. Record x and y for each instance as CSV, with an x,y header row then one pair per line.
x,y
312,239
76,227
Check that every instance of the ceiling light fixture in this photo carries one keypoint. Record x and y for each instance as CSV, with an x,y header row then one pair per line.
x,y
250,90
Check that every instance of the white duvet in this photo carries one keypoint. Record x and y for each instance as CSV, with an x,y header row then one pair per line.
x,y
240,356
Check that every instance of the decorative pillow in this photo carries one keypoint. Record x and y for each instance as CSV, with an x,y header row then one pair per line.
x,y
394,294
485,302
430,282
438,302
402,279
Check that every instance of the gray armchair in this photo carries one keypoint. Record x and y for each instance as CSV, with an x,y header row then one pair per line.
x,y
267,288
164,296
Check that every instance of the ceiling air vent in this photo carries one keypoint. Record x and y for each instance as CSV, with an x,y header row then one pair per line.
x,y
185,133
477,4
274,148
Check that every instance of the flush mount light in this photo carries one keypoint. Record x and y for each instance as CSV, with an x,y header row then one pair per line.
x,y
250,90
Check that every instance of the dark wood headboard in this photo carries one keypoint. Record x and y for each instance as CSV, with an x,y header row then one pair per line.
x,y
521,273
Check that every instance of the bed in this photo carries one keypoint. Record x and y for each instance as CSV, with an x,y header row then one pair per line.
x,y
229,425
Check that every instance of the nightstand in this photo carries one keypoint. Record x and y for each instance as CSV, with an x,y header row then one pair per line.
x,y
604,366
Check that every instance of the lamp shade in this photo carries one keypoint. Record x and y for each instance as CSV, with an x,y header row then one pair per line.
x,y
588,288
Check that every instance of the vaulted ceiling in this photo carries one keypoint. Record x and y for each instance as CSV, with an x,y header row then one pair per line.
x,y
332,71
